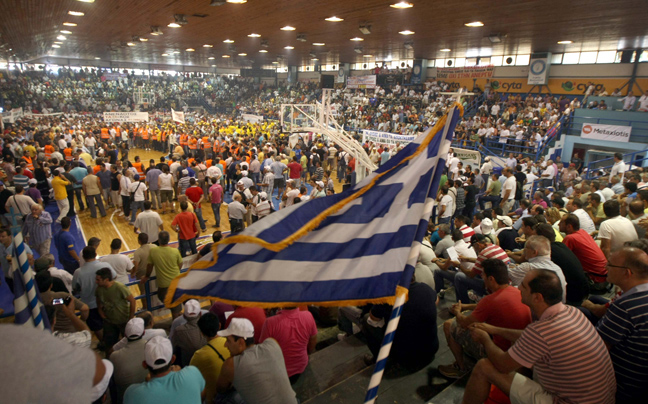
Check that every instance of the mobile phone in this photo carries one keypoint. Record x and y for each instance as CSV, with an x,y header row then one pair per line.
x,y
57,302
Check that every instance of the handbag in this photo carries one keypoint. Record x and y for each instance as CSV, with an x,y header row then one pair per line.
x,y
132,194
24,217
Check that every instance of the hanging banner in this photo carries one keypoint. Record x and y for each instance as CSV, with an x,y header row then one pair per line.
x,y
125,116
468,157
293,139
539,71
473,72
362,81
11,116
252,118
385,137
613,133
177,116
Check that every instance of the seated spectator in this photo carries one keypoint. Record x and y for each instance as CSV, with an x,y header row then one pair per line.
x,y
78,334
62,279
256,371
447,269
44,280
168,384
116,306
502,307
128,360
149,331
445,241
461,223
256,316
616,230
575,207
296,333
210,358
586,250
550,346
187,338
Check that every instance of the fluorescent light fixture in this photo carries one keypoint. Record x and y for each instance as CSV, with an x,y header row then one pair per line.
x,y
76,13
334,19
242,54
228,41
97,58
190,50
58,43
275,63
406,32
130,44
289,47
213,65
367,56
69,24
143,39
165,54
445,50
357,39
226,56
253,35
86,1
474,24
288,28
208,46
66,32
174,25
565,42
318,44
56,46
237,1
402,4
61,38
314,59
176,52
263,51
211,58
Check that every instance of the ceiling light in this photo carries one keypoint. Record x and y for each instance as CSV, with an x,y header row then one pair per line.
x,y
174,25
237,1
474,24
97,58
402,4
143,39
289,47
211,58
367,56
175,52
445,50
56,46
213,65
190,50
58,43
228,41
208,46
275,63
69,24
357,39
156,31
253,35
76,13
263,51
226,56
242,54
61,37
130,44
86,1
288,28
565,42
314,59
318,44
165,54
406,32
66,32
334,19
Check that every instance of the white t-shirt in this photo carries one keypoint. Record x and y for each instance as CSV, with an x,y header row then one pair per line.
x,y
448,202
584,220
149,222
618,230
121,264
550,170
90,141
165,182
509,184
138,188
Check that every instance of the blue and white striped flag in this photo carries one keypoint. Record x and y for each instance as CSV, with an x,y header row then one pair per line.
x,y
28,306
350,248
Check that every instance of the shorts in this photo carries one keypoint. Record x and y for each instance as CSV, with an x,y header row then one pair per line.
x,y
279,183
166,195
94,320
528,391
462,336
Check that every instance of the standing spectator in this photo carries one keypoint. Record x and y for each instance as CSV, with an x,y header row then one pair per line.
x,y
37,230
166,186
138,190
116,305
236,212
196,197
295,171
167,262
492,193
508,191
149,222
278,169
119,262
152,181
20,203
59,183
446,206
186,225
140,262
216,195
66,247
104,180
92,189
33,192
187,338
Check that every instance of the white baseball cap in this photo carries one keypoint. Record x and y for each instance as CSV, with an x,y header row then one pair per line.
x,y
134,328
320,183
263,195
240,327
192,308
158,352
486,226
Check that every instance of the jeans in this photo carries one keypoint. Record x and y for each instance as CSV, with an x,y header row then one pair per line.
x,y
440,275
198,212
216,209
463,283
69,266
186,245
493,199
79,196
134,206
92,199
256,178
91,149
443,220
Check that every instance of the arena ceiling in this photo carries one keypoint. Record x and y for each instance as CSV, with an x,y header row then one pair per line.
x,y
112,29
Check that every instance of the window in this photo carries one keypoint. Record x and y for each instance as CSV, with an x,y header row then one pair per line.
x,y
644,56
470,62
556,58
496,60
484,61
460,62
587,57
606,57
522,60
571,58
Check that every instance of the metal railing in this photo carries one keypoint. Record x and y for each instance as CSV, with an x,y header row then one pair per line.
x,y
574,126
602,164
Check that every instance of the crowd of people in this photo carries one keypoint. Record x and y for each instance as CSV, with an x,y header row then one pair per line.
x,y
549,270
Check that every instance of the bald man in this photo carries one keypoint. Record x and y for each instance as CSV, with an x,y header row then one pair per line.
x,y
38,230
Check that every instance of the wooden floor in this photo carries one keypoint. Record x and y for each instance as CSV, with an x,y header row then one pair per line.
x,y
114,226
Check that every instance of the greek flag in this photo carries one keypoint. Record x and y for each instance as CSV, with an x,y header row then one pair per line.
x,y
28,307
351,248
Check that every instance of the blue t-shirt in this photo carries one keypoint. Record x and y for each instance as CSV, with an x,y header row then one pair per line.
x,y
64,242
183,387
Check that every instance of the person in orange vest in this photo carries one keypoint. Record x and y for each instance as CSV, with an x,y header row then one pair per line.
x,y
49,149
193,146
29,161
146,143
139,166
105,134
184,143
67,152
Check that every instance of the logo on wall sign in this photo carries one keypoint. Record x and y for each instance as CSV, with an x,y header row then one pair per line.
x,y
495,84
587,129
538,66
568,86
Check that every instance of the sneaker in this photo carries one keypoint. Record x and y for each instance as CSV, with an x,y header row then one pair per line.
x,y
341,336
121,214
452,371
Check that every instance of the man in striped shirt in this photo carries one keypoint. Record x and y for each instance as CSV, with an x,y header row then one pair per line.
x,y
460,223
569,359
624,328
471,279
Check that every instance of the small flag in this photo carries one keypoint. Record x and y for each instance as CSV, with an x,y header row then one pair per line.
x,y
349,248
177,116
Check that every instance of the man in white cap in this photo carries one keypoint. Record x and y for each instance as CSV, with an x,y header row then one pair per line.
x,y
320,190
263,207
292,192
257,372
128,360
168,383
187,338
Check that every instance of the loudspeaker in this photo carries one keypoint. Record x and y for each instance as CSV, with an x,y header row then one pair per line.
x,y
327,81
626,56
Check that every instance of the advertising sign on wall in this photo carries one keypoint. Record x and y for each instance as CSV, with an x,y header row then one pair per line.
x,y
473,72
362,81
613,133
125,116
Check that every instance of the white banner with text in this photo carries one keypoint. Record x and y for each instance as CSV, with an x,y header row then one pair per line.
x,y
613,133
125,116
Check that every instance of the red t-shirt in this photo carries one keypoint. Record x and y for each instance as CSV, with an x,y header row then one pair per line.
x,y
588,253
505,309
295,170
256,316
187,223
194,194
